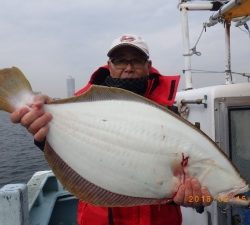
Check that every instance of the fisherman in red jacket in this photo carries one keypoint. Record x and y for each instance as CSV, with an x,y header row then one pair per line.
x,y
129,68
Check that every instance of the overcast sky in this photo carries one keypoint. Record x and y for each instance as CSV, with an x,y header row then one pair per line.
x,y
50,40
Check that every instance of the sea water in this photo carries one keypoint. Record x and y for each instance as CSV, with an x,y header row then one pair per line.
x,y
19,157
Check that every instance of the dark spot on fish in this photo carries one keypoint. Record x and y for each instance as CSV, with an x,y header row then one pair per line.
x,y
132,177
104,120
160,182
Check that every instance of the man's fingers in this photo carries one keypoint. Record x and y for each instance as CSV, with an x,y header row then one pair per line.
x,y
191,194
40,122
180,195
40,100
188,193
184,194
197,195
33,117
30,117
17,115
41,134
207,199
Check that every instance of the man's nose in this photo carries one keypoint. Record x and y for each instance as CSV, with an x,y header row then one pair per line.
x,y
129,67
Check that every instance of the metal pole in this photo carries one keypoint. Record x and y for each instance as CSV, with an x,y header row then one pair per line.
x,y
197,6
186,49
228,71
226,8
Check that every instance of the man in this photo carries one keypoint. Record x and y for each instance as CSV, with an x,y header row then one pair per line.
x,y
129,68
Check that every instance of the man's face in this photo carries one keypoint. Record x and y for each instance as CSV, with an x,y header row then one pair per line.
x,y
127,62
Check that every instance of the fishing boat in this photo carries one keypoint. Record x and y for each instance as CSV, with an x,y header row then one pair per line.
x,y
222,112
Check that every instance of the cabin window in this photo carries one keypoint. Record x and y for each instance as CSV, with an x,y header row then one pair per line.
x,y
239,132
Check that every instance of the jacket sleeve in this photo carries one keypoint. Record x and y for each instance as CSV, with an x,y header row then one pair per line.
x,y
40,145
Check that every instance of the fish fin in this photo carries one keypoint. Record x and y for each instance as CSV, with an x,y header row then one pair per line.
x,y
12,84
239,202
99,93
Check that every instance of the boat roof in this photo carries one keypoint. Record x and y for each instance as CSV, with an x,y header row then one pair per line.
x,y
239,10
218,91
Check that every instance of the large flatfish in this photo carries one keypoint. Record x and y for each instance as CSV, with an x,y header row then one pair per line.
x,y
111,147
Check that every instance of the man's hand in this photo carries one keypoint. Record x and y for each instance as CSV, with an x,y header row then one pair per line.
x,y
191,194
34,118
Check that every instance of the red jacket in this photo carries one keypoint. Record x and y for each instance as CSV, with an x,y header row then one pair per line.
x,y
161,90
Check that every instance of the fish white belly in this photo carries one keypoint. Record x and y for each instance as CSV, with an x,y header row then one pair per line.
x,y
116,148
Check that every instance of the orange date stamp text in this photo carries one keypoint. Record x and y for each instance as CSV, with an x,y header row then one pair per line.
x,y
208,199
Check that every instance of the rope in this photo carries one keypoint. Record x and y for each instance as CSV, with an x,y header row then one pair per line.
x,y
193,50
210,71
242,74
203,71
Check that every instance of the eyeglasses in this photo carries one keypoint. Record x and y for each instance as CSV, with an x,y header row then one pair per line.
x,y
122,63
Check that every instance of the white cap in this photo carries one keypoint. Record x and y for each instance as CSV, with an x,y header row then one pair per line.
x,y
129,40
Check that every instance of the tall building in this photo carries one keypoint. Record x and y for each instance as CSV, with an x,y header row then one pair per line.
x,y
70,86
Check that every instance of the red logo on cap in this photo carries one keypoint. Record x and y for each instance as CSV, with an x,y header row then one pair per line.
x,y
127,38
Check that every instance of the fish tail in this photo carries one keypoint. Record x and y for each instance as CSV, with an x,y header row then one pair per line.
x,y
239,201
13,85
